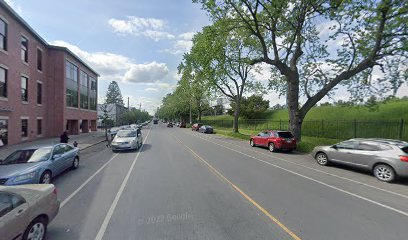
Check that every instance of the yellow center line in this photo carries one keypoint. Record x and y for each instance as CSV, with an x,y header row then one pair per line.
x,y
253,202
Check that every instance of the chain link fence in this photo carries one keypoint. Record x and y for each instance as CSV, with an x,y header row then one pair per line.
x,y
338,129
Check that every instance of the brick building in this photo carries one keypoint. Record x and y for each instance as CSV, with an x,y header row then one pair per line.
x,y
44,89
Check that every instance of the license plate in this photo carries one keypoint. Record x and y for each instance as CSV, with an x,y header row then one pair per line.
x,y
289,141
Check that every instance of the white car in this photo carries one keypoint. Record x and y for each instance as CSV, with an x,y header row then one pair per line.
x,y
127,140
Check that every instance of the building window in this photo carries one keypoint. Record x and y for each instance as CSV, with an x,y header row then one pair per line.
x,y
39,59
24,89
24,128
71,77
24,49
39,126
83,88
3,82
3,35
92,94
3,132
39,93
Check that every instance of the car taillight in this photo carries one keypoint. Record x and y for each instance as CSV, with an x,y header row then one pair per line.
x,y
404,158
55,191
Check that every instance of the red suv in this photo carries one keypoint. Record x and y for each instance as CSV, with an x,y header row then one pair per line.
x,y
196,126
274,140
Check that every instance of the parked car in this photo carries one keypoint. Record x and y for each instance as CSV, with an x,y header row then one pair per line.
x,y
26,210
38,164
274,140
183,125
196,126
127,140
206,129
177,124
387,159
114,131
170,124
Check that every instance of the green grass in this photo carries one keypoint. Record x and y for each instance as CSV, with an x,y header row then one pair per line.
x,y
331,122
305,146
394,110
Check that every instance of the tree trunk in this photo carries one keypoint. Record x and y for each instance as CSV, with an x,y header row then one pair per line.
x,y
292,100
191,120
236,115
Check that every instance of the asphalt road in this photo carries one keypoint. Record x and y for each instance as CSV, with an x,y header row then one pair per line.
x,y
187,185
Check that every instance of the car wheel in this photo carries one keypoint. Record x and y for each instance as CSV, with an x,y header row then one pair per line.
x,y
322,159
271,147
384,173
75,163
251,142
37,230
45,178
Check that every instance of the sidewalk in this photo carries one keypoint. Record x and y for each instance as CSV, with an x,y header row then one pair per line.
x,y
84,140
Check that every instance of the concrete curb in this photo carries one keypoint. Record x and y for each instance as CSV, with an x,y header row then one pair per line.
x,y
96,143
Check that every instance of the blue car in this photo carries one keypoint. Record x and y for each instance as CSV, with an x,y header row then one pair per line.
x,y
38,164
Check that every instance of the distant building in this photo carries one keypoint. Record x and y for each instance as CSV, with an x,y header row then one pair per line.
x,y
114,111
44,90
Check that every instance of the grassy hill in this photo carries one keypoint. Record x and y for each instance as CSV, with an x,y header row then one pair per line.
x,y
394,110
327,124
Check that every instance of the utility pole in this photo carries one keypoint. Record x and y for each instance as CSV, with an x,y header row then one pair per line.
x,y
140,106
128,105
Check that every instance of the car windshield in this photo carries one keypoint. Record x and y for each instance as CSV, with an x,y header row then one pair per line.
x,y
28,156
285,134
124,134
114,129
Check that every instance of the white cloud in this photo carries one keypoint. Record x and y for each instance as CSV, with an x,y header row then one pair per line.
x,y
179,47
263,72
157,35
151,90
182,44
148,104
117,67
186,35
149,72
148,27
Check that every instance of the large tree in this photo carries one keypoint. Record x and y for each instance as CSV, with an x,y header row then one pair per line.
x,y
194,85
313,46
222,57
113,95
252,107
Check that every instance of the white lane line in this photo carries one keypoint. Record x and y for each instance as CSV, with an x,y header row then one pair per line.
x,y
317,181
314,169
66,200
112,208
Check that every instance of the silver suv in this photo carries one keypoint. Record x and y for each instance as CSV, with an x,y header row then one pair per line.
x,y
386,158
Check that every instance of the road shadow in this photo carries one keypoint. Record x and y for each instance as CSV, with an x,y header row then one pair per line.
x,y
146,147
398,181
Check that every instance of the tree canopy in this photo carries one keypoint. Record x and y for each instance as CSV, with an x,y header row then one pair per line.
x,y
314,46
114,95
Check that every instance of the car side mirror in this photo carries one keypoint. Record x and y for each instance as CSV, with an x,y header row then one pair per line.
x,y
56,156
258,135
1,161
334,146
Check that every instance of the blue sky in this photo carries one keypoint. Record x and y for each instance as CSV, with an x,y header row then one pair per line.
x,y
139,44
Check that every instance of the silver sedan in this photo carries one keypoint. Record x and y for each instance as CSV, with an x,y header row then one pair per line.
x,y
26,210
386,158
127,140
